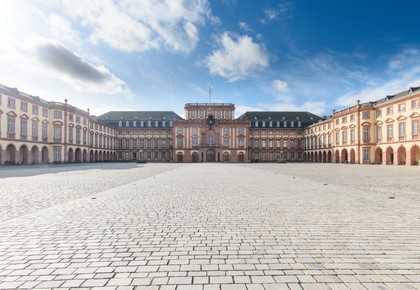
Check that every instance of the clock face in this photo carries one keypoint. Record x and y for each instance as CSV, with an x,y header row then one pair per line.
x,y
210,120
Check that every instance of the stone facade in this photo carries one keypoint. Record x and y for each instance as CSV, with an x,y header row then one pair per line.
x,y
34,131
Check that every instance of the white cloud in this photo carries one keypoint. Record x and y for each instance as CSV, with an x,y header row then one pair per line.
x,y
280,85
237,57
244,26
405,58
315,107
140,25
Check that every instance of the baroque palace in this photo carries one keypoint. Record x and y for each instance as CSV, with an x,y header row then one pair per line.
x,y
35,131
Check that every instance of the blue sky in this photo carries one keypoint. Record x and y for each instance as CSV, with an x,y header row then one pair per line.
x,y
313,55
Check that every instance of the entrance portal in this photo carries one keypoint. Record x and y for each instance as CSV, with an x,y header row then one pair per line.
x,y
210,156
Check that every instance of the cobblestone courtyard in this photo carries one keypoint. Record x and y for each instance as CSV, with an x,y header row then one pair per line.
x,y
210,226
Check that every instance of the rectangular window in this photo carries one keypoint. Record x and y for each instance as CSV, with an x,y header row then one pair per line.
x,y
24,128
11,103
401,131
345,137
78,135
256,143
44,112
414,104
226,141
379,133
401,107
11,126
225,131
179,130
241,142
149,144
58,114
390,132
163,144
141,145
155,143
227,114
163,153
210,140
24,106
84,137
194,141
57,154
180,142
156,155
57,132
366,115
241,131
389,110
195,131
366,155
44,132
34,130
35,110
415,127
378,113
78,119
70,135
337,138
344,120
366,134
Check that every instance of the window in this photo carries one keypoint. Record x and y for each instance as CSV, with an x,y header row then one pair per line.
x,y
366,155
256,143
241,142
226,141
225,131
156,124
241,131
156,144
34,130
195,141
24,106
195,131
344,137
389,110
292,123
390,133
379,133
202,114
218,114
78,135
401,131
44,112
179,130
149,143
11,103
57,132
149,124
141,143
337,122
127,123
352,119
285,124
70,135
127,143
58,114
78,119
156,155
164,143
11,125
256,124
401,107
180,142
415,127
57,154
337,138
366,115
414,104
227,114
263,144
210,140
44,132
192,113
35,110
344,120
23,128
285,143
366,134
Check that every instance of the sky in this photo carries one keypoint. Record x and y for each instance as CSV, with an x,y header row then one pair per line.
x,y
139,55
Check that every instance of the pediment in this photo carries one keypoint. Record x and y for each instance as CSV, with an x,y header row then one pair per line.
x,y
366,124
401,118
24,116
45,122
415,115
389,120
58,123
352,126
378,123
11,114
35,119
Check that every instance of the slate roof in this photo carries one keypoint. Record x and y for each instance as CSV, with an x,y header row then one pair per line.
x,y
139,115
285,119
398,95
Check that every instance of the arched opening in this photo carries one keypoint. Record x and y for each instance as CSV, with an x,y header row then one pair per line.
x,y
378,156
91,156
84,155
415,155
24,154
78,155
241,157
100,156
35,155
344,156
1,161
225,157
352,156
389,156
337,156
329,156
210,155
180,157
324,157
44,153
316,156
10,154
401,155
71,155
195,157
96,156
